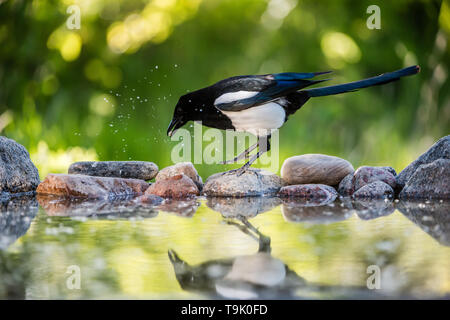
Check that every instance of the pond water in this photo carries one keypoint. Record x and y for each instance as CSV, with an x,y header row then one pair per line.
x,y
250,248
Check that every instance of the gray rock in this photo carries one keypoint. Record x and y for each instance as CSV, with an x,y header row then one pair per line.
x,y
366,175
309,192
121,169
345,188
389,169
245,207
17,173
186,168
374,190
253,182
315,169
440,150
429,181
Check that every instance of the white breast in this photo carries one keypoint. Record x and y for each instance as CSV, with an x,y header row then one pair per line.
x,y
258,120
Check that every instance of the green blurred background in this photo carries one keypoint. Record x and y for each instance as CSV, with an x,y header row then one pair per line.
x,y
107,91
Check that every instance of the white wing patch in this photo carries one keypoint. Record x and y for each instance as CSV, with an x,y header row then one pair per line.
x,y
258,120
234,96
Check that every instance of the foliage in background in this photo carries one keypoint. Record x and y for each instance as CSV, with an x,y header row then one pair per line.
x,y
107,91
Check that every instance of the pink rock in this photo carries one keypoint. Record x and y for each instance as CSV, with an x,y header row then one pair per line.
x,y
186,168
366,175
81,186
177,187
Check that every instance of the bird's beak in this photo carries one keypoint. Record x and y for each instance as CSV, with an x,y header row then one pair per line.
x,y
174,125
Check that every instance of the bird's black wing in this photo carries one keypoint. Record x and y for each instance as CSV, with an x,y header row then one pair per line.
x,y
243,92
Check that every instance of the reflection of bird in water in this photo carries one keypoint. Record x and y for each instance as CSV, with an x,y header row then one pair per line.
x,y
259,275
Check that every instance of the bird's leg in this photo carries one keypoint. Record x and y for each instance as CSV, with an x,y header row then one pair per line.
x,y
263,146
241,155
264,241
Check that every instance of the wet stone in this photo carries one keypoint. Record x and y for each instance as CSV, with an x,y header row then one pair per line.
x,y
253,182
440,150
176,187
429,181
309,191
17,173
121,169
82,186
315,169
374,190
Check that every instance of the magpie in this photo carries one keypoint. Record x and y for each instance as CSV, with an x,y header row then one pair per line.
x,y
260,103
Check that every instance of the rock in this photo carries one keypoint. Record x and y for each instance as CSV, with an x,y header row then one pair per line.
x,y
374,190
186,168
345,188
302,211
432,217
429,181
315,168
245,207
17,173
309,192
366,175
389,169
253,182
177,187
99,208
81,186
440,150
121,169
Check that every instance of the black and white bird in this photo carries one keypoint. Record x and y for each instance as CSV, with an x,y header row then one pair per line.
x,y
260,103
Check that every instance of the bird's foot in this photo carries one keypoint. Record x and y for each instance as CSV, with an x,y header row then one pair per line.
x,y
238,172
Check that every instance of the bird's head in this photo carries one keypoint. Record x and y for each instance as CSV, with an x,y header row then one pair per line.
x,y
190,107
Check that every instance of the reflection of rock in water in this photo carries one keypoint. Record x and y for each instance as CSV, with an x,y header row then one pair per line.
x,y
15,219
372,209
431,217
184,208
245,207
315,212
62,206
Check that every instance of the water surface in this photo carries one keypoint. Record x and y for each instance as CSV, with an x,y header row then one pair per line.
x,y
223,248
